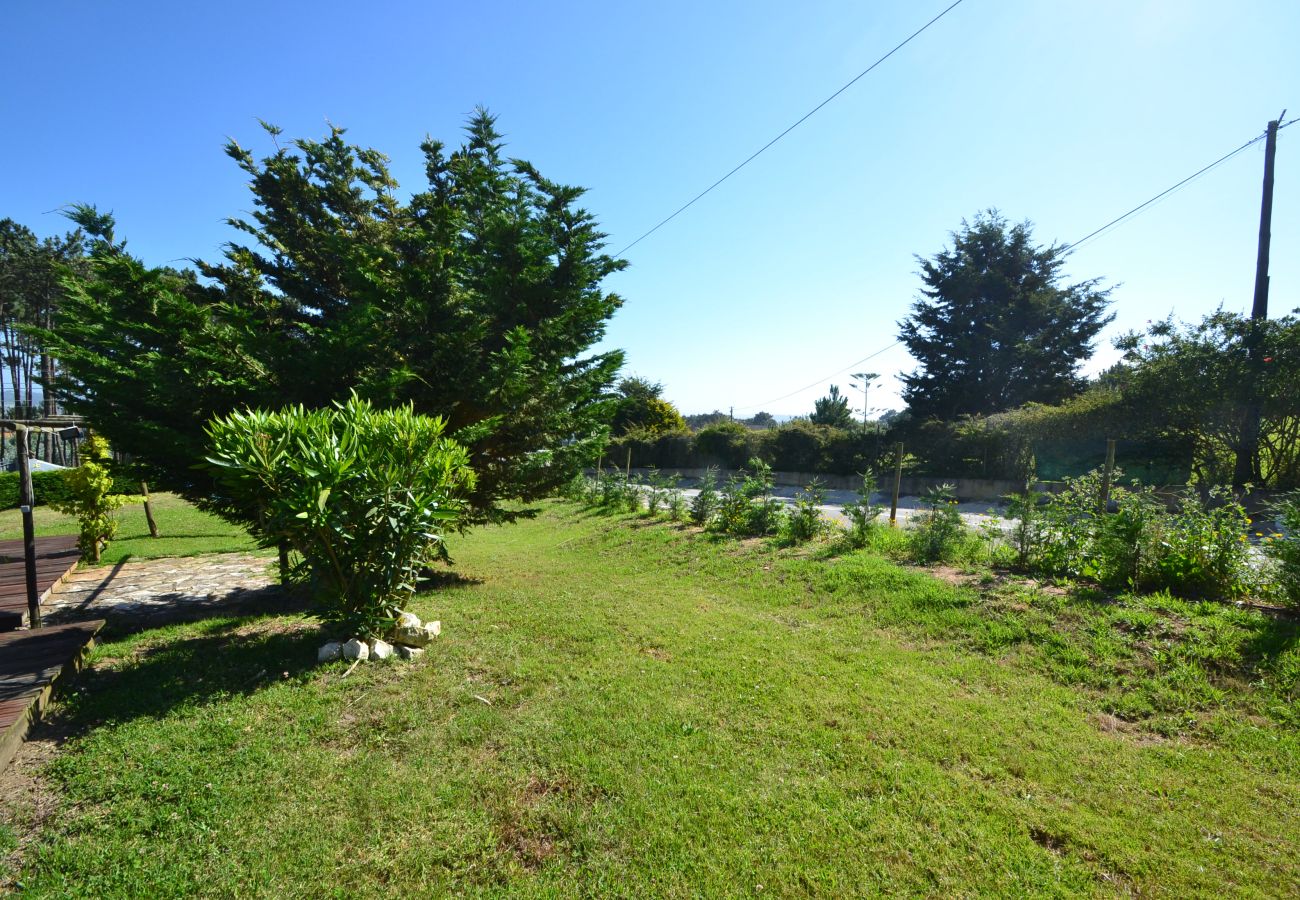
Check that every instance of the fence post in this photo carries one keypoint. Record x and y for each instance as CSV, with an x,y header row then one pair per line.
x,y
628,473
26,499
898,481
148,510
1103,501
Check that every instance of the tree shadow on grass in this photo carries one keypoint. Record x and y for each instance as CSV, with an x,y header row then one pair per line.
x,y
225,657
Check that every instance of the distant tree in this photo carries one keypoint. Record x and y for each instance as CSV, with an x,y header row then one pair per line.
x,y
477,299
31,291
696,421
995,328
641,408
761,420
833,410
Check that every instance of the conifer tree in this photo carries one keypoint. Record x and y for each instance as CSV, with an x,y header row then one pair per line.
x,y
995,328
474,299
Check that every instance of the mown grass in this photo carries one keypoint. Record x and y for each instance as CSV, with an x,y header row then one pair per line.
x,y
183,530
617,707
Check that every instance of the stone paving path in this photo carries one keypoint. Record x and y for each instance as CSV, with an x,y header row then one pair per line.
x,y
153,591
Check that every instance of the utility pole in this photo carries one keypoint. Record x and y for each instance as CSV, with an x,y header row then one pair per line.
x,y
1247,466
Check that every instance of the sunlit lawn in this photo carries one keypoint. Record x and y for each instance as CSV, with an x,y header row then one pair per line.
x,y
183,530
632,709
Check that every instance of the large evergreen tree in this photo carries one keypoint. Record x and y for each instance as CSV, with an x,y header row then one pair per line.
x,y
475,299
995,328
833,410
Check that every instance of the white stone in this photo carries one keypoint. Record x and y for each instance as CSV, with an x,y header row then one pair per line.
x,y
432,629
380,649
356,649
329,652
407,620
406,652
411,636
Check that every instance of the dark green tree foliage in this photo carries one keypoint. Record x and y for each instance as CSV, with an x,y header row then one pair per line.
x,y
1193,381
31,291
995,328
474,300
642,408
833,410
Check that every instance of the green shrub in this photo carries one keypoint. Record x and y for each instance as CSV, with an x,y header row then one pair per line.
x,y
728,443
937,535
89,497
806,522
1199,550
704,506
747,507
1282,547
862,513
657,488
50,487
364,495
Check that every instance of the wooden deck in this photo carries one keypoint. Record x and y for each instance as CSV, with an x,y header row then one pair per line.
x,y
56,556
30,663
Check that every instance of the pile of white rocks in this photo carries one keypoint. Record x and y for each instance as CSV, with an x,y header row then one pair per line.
x,y
407,639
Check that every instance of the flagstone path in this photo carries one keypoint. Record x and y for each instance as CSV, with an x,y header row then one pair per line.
x,y
153,591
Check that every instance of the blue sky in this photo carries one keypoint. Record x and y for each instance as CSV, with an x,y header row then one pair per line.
x,y
1064,113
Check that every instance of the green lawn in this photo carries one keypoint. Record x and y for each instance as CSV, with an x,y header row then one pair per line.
x,y
182,529
632,709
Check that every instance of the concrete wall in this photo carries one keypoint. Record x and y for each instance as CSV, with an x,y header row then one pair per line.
x,y
990,489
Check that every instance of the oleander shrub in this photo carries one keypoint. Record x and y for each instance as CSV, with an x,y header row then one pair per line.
x,y
365,495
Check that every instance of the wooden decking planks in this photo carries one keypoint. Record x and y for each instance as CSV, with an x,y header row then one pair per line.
x,y
30,663
56,556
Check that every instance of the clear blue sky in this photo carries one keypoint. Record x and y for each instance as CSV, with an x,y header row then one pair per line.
x,y
1064,113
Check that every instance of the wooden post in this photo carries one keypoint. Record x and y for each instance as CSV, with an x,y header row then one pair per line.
x,y
898,481
26,498
628,473
1103,499
148,510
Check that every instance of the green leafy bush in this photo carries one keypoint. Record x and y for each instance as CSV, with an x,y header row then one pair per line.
x,y
747,507
704,506
1283,548
364,495
728,443
1197,550
806,522
50,487
862,513
90,498
937,535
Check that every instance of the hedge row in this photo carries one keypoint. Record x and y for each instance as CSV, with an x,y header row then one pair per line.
x,y
50,486
1053,442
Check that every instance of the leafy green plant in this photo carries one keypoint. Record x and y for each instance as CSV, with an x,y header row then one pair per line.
x,y
806,522
90,498
938,533
862,513
658,485
705,504
747,507
364,495
676,504
1282,547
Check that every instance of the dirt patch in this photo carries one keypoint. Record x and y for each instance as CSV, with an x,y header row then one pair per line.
x,y
530,850
1129,731
657,653
30,799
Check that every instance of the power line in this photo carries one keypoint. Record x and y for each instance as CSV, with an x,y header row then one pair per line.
x,y
801,120
1072,246
1170,190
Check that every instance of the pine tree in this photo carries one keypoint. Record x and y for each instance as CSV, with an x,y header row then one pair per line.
x,y
833,410
474,300
995,328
